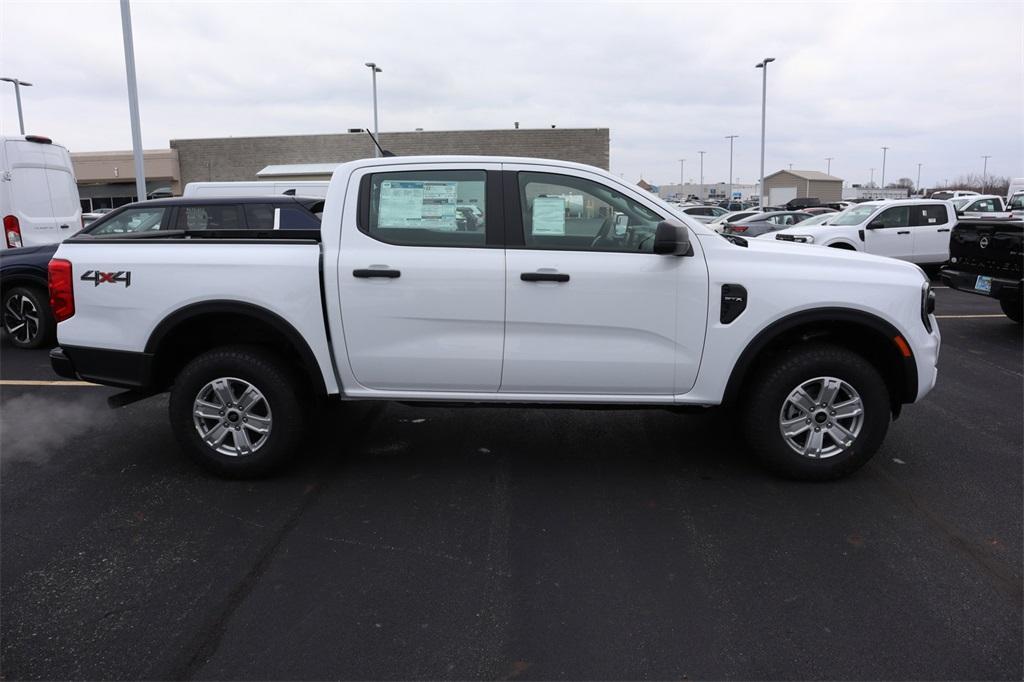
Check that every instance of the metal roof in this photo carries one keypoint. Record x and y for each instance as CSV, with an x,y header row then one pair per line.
x,y
298,169
807,175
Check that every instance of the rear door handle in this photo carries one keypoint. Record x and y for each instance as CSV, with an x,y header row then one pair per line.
x,y
63,227
375,272
903,232
544,277
943,229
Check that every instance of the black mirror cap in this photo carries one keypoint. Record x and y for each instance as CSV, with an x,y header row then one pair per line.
x,y
672,238
875,224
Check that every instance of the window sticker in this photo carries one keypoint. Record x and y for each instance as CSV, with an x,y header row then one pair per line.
x,y
418,204
549,215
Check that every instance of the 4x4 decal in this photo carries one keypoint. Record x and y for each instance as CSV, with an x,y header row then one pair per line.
x,y
97,278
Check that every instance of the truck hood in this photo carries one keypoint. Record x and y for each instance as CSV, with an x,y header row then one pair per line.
x,y
809,255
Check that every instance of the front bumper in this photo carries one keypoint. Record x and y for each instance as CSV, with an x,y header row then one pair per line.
x,y
1002,289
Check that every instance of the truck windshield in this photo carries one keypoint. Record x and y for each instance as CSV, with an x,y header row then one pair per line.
x,y
853,216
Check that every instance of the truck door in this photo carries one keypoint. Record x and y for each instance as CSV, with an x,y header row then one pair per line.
x,y
590,308
889,234
932,225
422,288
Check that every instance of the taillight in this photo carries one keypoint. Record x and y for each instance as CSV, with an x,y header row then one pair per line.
x,y
737,228
62,291
12,231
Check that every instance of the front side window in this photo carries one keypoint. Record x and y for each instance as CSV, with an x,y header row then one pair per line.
x,y
985,206
1016,203
897,216
227,217
570,213
428,208
131,220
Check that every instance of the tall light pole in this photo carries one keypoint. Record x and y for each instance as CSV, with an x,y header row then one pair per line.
x,y
133,100
17,96
918,178
872,176
884,150
701,175
374,69
764,100
828,165
984,174
730,138
682,164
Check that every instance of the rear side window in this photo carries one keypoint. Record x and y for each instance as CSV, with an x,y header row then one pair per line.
x,y
985,206
130,221
931,215
293,218
260,216
421,208
228,217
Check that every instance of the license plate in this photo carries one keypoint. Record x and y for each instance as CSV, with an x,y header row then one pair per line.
x,y
983,284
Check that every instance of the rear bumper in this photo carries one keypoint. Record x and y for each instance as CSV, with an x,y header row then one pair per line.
x,y
1002,288
125,369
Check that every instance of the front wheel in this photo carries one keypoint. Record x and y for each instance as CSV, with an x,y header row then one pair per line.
x,y
1013,310
819,412
238,411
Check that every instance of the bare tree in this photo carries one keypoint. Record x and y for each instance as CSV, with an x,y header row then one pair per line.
x,y
994,184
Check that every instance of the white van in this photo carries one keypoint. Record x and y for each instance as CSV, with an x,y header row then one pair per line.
x,y
1016,187
302,188
38,193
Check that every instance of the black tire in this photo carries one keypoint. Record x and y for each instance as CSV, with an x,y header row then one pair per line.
x,y
767,393
1013,310
286,404
27,319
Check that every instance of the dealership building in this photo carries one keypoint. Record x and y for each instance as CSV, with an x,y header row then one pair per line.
x,y
107,179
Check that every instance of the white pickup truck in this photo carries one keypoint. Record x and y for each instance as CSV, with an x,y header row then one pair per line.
x,y
568,288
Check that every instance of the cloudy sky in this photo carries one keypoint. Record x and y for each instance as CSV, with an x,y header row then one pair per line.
x,y
939,83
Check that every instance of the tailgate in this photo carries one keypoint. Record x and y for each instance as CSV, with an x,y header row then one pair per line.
x,y
989,247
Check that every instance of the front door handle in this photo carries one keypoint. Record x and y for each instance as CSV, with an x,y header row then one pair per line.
x,y
375,272
544,277
64,227
903,232
943,229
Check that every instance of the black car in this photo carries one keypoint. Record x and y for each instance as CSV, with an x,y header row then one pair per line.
x,y
763,223
187,214
24,297
986,257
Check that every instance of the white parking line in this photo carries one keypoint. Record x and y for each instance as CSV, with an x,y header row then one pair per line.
x,y
962,317
37,382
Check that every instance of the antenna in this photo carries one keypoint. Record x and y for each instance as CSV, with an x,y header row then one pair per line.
x,y
383,152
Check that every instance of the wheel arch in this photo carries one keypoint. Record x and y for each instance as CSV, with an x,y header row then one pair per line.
x,y
860,331
202,326
842,244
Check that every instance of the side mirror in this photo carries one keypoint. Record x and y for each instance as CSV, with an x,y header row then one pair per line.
x,y
671,238
875,224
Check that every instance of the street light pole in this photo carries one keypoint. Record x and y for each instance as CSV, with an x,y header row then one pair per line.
x,y
730,138
828,165
682,165
884,150
872,176
764,100
918,178
701,175
133,100
17,96
374,69
984,174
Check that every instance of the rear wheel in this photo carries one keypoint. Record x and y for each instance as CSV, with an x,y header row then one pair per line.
x,y
819,412
28,322
238,412
1013,310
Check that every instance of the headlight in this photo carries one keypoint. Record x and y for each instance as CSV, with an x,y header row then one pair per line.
x,y
798,238
927,305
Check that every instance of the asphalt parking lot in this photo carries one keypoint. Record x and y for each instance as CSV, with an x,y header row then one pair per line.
x,y
517,543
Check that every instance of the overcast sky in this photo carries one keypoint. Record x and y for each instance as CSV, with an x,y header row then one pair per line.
x,y
939,83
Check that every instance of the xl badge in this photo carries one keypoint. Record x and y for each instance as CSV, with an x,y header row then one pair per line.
x,y
97,278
